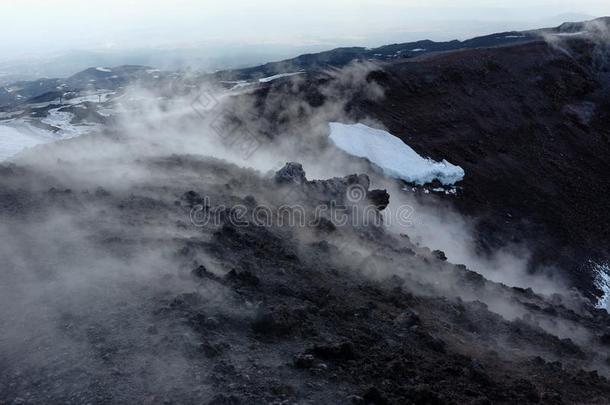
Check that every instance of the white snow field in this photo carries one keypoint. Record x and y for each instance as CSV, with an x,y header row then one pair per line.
x,y
63,122
602,281
19,134
15,138
275,77
392,155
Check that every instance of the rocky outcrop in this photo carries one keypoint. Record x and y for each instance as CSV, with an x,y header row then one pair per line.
x,y
341,191
291,173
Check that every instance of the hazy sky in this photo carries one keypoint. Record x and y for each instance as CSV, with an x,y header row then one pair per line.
x,y
34,26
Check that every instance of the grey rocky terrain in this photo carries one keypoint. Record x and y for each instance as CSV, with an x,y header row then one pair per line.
x,y
212,246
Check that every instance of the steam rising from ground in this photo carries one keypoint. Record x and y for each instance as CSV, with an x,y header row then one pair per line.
x,y
242,130
72,260
595,31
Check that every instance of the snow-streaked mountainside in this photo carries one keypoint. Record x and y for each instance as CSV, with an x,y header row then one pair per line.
x,y
51,122
14,139
392,155
278,76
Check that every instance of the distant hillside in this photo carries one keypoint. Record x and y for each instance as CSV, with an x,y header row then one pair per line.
x,y
342,56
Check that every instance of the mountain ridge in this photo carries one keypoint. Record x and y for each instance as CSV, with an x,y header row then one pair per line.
x,y
333,58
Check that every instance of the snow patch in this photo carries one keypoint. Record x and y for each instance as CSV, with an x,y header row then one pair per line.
x,y
392,155
570,34
102,69
62,120
418,50
16,137
19,134
236,85
101,96
602,281
275,77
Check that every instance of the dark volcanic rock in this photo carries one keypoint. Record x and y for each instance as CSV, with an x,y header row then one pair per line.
x,y
381,322
440,255
304,361
407,319
339,351
379,198
243,278
291,173
202,273
222,399
192,198
274,322
325,225
480,110
374,397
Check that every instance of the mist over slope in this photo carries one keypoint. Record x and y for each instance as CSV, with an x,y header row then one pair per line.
x,y
527,122
163,279
175,256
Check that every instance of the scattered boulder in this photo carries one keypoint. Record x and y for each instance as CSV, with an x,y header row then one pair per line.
x,y
291,173
304,361
408,318
202,272
192,198
440,255
379,198
351,189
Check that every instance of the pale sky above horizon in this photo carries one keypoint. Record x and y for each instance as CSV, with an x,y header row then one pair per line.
x,y
30,26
